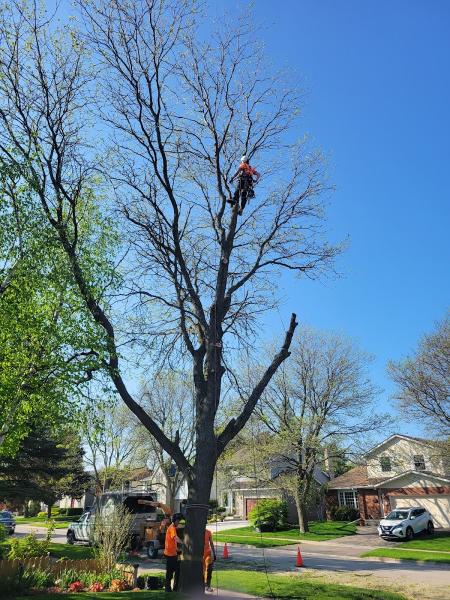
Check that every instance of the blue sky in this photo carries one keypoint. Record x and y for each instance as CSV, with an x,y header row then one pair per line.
x,y
378,104
379,97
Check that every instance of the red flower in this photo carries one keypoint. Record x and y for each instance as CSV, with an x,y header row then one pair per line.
x,y
76,586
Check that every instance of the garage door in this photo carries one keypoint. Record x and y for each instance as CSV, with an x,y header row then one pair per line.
x,y
437,506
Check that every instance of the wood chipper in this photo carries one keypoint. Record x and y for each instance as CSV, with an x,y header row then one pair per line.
x,y
154,531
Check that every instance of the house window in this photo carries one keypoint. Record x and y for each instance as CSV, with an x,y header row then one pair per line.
x,y
419,462
348,498
385,464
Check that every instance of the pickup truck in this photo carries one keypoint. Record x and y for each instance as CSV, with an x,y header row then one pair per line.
x,y
82,530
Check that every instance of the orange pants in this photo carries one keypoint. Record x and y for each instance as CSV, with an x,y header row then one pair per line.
x,y
207,569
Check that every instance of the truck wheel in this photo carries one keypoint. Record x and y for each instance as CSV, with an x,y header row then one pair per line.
x,y
409,534
70,538
430,528
152,552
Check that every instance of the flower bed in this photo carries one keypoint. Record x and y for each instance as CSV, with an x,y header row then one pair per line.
x,y
26,578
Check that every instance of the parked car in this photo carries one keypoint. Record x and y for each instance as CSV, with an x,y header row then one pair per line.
x,y
8,521
404,523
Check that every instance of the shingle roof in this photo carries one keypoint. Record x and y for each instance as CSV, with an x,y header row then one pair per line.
x,y
356,477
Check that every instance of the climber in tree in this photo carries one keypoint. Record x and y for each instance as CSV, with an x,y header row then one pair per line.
x,y
246,176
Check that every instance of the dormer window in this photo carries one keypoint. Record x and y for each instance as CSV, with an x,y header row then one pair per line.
x,y
385,464
419,462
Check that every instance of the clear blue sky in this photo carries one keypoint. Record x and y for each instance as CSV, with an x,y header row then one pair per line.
x,y
378,76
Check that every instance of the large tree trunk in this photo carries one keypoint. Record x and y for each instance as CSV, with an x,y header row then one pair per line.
x,y
191,581
49,511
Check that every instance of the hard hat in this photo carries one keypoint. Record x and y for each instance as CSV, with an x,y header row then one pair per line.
x,y
244,158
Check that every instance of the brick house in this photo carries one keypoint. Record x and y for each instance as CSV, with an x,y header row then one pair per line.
x,y
402,471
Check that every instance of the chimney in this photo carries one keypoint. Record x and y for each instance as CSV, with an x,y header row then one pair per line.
x,y
328,463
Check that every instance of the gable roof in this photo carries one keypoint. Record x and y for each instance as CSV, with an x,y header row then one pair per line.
x,y
400,436
418,473
356,477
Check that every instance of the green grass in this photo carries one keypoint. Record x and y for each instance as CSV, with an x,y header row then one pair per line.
x,y
71,552
294,586
60,522
156,595
441,557
319,531
439,541
64,551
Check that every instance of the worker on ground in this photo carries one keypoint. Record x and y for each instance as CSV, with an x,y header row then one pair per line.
x,y
208,560
246,176
172,550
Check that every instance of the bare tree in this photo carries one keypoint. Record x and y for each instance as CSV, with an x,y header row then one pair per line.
x,y
321,400
113,442
169,399
423,381
180,112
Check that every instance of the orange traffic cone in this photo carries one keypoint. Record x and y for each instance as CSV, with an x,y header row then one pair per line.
x,y
225,551
299,561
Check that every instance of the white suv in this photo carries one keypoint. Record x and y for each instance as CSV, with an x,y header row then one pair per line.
x,y
404,523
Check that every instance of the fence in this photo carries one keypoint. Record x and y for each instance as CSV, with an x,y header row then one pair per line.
x,y
9,568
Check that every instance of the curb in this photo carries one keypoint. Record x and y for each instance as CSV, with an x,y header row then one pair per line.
x,y
374,559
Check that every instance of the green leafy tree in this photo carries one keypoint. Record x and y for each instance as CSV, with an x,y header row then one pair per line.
x,y
48,465
47,345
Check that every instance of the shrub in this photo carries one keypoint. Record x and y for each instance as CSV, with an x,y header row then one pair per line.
x,y
41,515
25,580
37,578
111,536
344,513
63,512
33,508
27,547
270,513
3,536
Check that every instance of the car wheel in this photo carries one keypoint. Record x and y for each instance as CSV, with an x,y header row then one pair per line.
x,y
70,538
152,552
430,528
409,533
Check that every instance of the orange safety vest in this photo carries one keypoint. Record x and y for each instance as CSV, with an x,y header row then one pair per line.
x,y
170,545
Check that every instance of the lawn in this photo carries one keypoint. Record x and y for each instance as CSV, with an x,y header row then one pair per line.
x,y
60,523
71,552
250,582
319,531
439,541
294,586
442,557
428,547
66,551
